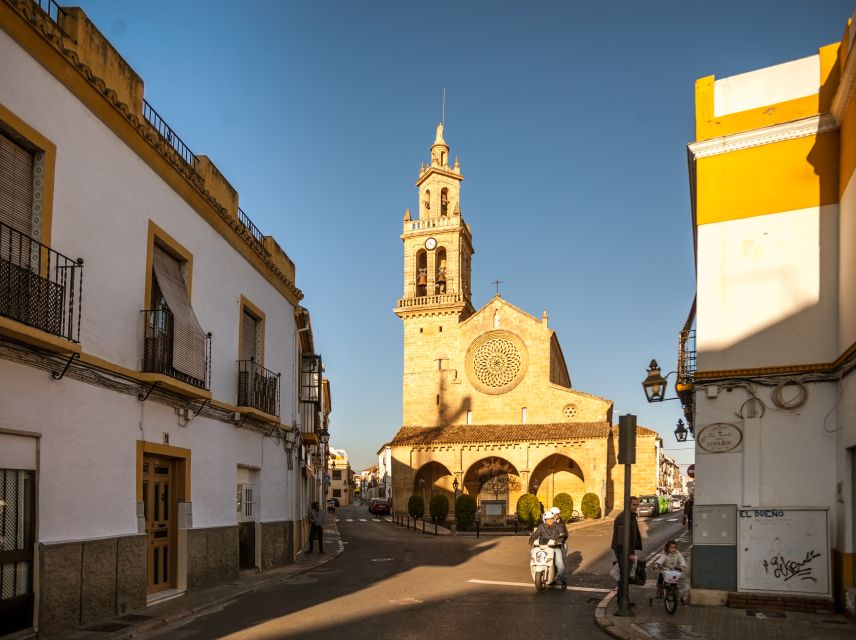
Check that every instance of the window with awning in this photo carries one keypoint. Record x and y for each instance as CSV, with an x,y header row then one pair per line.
x,y
188,338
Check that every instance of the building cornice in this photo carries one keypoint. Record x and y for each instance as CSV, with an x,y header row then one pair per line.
x,y
835,368
137,133
436,170
845,87
814,125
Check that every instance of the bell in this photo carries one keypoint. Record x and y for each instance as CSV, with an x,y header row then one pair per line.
x,y
441,277
422,280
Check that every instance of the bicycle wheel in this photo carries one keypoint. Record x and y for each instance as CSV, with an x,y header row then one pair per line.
x,y
671,600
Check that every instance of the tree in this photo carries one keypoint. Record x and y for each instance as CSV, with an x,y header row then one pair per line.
x,y
565,503
494,476
416,506
590,506
528,510
439,508
465,512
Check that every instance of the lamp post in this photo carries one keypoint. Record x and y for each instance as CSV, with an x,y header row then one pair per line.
x,y
681,431
324,437
655,384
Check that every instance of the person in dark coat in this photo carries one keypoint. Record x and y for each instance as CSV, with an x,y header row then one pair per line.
x,y
617,544
688,512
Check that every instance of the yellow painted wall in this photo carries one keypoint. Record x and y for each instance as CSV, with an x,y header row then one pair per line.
x,y
771,178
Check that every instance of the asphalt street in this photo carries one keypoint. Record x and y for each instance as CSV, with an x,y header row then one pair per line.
x,y
393,582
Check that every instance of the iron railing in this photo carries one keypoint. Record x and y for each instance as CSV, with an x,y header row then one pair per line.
x,y
167,133
39,287
258,387
244,219
687,356
184,355
51,8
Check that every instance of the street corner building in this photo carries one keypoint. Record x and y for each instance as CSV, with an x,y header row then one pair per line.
x,y
488,392
771,397
160,398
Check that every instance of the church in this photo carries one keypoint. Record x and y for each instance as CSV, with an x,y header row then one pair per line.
x,y
488,408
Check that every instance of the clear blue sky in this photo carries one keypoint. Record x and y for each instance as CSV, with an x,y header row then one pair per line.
x,y
570,120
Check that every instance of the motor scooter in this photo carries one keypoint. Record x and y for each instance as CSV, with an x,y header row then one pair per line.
x,y
542,564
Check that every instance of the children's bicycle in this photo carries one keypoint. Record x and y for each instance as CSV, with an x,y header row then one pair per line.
x,y
668,590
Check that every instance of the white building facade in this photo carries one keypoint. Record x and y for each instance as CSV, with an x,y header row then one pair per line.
x,y
159,404
773,401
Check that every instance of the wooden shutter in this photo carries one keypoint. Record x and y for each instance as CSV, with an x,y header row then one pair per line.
x,y
249,336
16,186
188,339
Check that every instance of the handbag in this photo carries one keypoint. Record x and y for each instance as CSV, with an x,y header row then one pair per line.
x,y
639,575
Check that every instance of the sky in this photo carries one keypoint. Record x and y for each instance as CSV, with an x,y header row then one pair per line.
x,y
570,119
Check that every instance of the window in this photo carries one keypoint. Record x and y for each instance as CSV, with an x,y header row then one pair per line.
x,y
337,474
337,493
469,417
523,415
175,344
16,185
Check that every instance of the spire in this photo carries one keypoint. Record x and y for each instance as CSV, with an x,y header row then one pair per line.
x,y
407,215
439,150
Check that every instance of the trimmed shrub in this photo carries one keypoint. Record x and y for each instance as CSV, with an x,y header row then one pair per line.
x,y
528,510
590,506
439,508
416,506
465,512
565,504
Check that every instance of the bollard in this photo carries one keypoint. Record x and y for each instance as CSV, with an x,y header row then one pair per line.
x,y
515,525
478,526
423,526
435,527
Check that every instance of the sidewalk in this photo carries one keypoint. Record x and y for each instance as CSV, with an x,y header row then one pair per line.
x,y
701,622
142,621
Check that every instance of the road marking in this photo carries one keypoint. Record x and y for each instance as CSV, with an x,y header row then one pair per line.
x,y
529,585
349,520
381,560
362,519
669,519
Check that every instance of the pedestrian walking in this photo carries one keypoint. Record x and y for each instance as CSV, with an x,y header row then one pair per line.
x,y
316,527
688,512
618,547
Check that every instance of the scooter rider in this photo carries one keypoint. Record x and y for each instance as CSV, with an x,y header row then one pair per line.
x,y
554,534
558,513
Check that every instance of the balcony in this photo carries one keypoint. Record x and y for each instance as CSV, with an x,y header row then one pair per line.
x,y
430,301
175,354
40,293
258,391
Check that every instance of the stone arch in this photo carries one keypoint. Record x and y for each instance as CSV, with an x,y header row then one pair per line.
x,y
493,505
434,477
557,473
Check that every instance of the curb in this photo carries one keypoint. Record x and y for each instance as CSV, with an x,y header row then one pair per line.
x,y
600,614
151,625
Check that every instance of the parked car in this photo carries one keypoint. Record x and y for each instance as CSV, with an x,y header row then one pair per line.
x,y
378,506
677,502
649,506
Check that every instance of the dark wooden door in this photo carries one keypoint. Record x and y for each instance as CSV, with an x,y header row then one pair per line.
x,y
159,505
17,527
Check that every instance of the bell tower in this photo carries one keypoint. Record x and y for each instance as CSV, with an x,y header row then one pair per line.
x,y
438,246
438,250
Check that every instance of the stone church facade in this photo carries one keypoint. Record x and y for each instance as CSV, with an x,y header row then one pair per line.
x,y
489,388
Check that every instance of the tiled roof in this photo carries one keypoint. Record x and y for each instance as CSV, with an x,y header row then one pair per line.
x,y
466,433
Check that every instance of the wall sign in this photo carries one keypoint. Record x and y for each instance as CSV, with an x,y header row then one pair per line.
x,y
782,549
720,437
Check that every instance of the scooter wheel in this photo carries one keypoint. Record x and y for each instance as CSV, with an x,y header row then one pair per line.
x,y
539,581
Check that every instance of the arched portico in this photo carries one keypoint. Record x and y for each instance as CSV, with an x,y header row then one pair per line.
x,y
495,484
557,473
434,477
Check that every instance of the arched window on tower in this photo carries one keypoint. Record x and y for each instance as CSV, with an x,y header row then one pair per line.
x,y
440,275
426,202
444,202
421,273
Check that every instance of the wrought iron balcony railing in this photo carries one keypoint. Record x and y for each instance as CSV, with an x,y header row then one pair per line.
x,y
258,387
39,287
176,349
244,219
687,356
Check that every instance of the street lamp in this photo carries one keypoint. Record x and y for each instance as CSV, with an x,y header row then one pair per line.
x,y
455,486
324,436
681,432
535,487
655,384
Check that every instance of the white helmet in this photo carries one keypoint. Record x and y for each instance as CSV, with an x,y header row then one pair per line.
x,y
555,511
548,515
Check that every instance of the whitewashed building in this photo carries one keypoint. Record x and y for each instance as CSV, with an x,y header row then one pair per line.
x,y
160,394
773,401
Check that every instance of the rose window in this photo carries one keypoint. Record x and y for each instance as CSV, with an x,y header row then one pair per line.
x,y
496,362
570,411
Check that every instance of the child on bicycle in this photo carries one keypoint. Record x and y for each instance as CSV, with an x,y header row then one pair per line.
x,y
671,559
